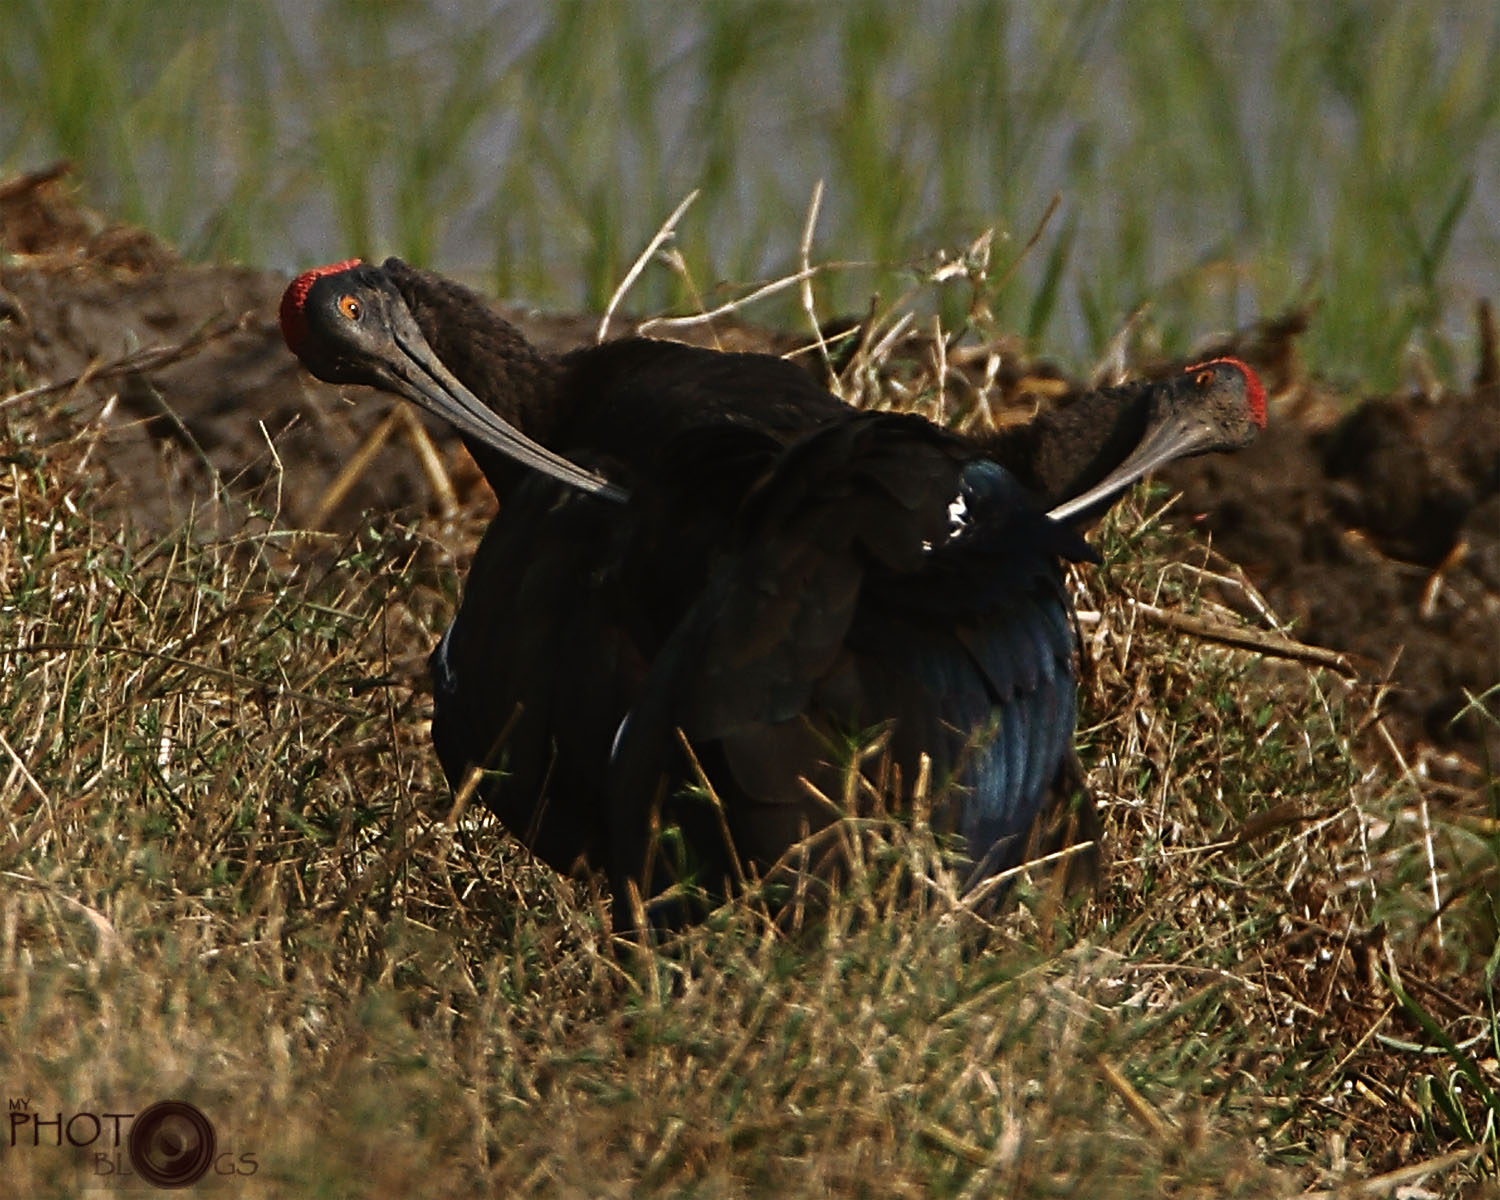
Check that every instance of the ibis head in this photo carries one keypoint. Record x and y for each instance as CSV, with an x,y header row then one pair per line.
x,y
1215,405
349,323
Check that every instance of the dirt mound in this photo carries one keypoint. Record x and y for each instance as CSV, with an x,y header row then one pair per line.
x,y
1378,536
1375,532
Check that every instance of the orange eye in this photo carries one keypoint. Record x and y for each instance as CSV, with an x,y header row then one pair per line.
x,y
1204,379
349,306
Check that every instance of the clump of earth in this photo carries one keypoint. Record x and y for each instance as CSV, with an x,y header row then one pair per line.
x,y
1370,524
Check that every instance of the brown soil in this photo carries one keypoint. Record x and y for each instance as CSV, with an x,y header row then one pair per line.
x,y
1373,529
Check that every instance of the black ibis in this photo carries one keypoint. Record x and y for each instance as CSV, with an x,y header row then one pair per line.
x,y
707,568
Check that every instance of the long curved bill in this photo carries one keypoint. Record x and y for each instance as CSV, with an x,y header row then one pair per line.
x,y
1174,438
428,383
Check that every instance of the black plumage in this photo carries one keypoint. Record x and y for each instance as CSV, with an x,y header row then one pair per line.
x,y
851,601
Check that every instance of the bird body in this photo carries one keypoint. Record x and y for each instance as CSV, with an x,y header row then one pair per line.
x,y
852,602
708,570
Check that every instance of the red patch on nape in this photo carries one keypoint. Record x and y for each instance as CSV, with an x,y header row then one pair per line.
x,y
293,322
1255,390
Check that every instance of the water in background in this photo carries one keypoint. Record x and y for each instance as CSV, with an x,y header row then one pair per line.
x,y
1214,159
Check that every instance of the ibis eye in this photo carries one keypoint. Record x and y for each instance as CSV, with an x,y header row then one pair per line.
x,y
1204,379
350,307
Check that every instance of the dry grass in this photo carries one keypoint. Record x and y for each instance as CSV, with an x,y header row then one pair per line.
x,y
229,875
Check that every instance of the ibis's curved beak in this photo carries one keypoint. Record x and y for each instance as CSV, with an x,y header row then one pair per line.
x,y
1183,425
417,373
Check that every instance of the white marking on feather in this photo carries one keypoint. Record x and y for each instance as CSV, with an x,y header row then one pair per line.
x,y
958,516
614,745
958,521
444,664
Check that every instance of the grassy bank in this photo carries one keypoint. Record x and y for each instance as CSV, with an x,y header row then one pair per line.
x,y
231,875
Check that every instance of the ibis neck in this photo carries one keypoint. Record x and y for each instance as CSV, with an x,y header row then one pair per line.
x,y
491,357
1066,450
